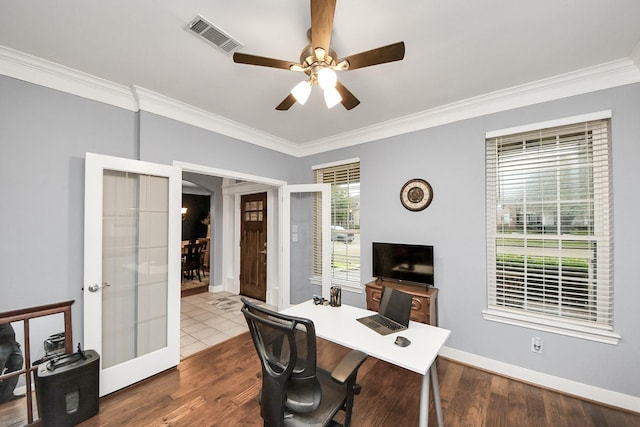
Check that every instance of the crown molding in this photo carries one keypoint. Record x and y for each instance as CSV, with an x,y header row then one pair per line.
x,y
45,73
22,66
603,76
157,103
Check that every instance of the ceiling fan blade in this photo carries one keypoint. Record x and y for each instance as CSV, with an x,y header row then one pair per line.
x,y
349,101
381,55
322,12
286,103
243,58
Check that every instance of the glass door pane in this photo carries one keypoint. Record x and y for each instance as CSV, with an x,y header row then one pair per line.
x,y
134,265
305,207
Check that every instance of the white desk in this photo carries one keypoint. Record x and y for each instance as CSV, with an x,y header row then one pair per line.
x,y
339,325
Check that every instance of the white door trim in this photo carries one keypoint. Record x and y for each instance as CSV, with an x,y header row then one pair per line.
x,y
225,173
231,225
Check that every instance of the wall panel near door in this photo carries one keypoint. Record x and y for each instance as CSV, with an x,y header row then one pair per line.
x,y
198,207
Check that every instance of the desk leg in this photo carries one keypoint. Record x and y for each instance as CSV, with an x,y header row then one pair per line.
x,y
424,401
436,394
424,397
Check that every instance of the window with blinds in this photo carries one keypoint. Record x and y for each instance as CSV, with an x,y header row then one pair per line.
x,y
345,223
549,245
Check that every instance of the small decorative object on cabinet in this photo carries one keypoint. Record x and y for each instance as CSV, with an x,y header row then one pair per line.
x,y
424,307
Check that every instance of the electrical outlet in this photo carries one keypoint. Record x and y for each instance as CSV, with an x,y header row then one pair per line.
x,y
536,344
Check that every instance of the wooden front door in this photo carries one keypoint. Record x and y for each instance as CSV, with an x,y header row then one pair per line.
x,y
253,246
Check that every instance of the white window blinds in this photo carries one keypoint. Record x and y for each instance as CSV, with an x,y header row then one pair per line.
x,y
345,222
549,237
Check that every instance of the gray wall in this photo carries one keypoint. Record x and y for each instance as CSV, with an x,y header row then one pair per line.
x,y
451,158
44,135
213,185
163,140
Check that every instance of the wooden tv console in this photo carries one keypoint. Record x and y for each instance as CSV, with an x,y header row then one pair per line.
x,y
424,307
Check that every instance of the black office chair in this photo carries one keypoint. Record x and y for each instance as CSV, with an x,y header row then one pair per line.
x,y
295,392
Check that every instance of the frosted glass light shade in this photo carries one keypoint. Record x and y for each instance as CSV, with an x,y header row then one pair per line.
x,y
301,91
327,78
332,97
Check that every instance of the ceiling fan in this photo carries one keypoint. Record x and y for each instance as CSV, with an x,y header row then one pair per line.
x,y
319,62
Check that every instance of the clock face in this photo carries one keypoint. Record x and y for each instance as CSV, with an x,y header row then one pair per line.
x,y
416,194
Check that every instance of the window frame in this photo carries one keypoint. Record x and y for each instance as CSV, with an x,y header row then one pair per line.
x,y
534,319
350,285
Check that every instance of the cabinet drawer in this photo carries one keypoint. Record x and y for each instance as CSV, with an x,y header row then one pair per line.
x,y
373,298
419,305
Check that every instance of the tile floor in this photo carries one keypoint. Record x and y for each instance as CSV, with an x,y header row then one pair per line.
x,y
208,319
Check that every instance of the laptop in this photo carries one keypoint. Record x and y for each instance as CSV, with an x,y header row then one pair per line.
x,y
393,315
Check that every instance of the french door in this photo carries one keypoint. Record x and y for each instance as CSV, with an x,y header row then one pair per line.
x,y
305,206
131,268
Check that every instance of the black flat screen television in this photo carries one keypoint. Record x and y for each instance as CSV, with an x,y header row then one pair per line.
x,y
399,262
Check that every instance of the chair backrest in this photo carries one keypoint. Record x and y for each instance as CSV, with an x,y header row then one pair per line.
x,y
192,251
286,346
203,244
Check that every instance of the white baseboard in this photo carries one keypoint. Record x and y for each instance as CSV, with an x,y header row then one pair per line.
x,y
215,288
562,385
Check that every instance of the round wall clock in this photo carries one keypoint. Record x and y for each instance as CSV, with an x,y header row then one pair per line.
x,y
416,194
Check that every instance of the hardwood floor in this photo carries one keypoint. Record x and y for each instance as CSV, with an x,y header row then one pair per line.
x,y
219,386
206,319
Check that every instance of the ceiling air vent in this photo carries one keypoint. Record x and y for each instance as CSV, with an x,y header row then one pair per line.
x,y
212,34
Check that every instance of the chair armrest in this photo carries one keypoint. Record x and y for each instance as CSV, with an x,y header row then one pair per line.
x,y
348,366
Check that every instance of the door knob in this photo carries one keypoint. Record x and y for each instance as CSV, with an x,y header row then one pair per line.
x,y
263,252
95,287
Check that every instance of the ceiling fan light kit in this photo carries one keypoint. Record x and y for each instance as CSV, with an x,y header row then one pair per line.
x,y
327,78
301,91
319,63
332,97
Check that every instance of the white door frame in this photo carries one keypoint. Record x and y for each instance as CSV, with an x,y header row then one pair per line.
x,y
231,224
232,195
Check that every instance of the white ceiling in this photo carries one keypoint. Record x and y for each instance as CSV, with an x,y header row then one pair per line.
x,y
456,50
